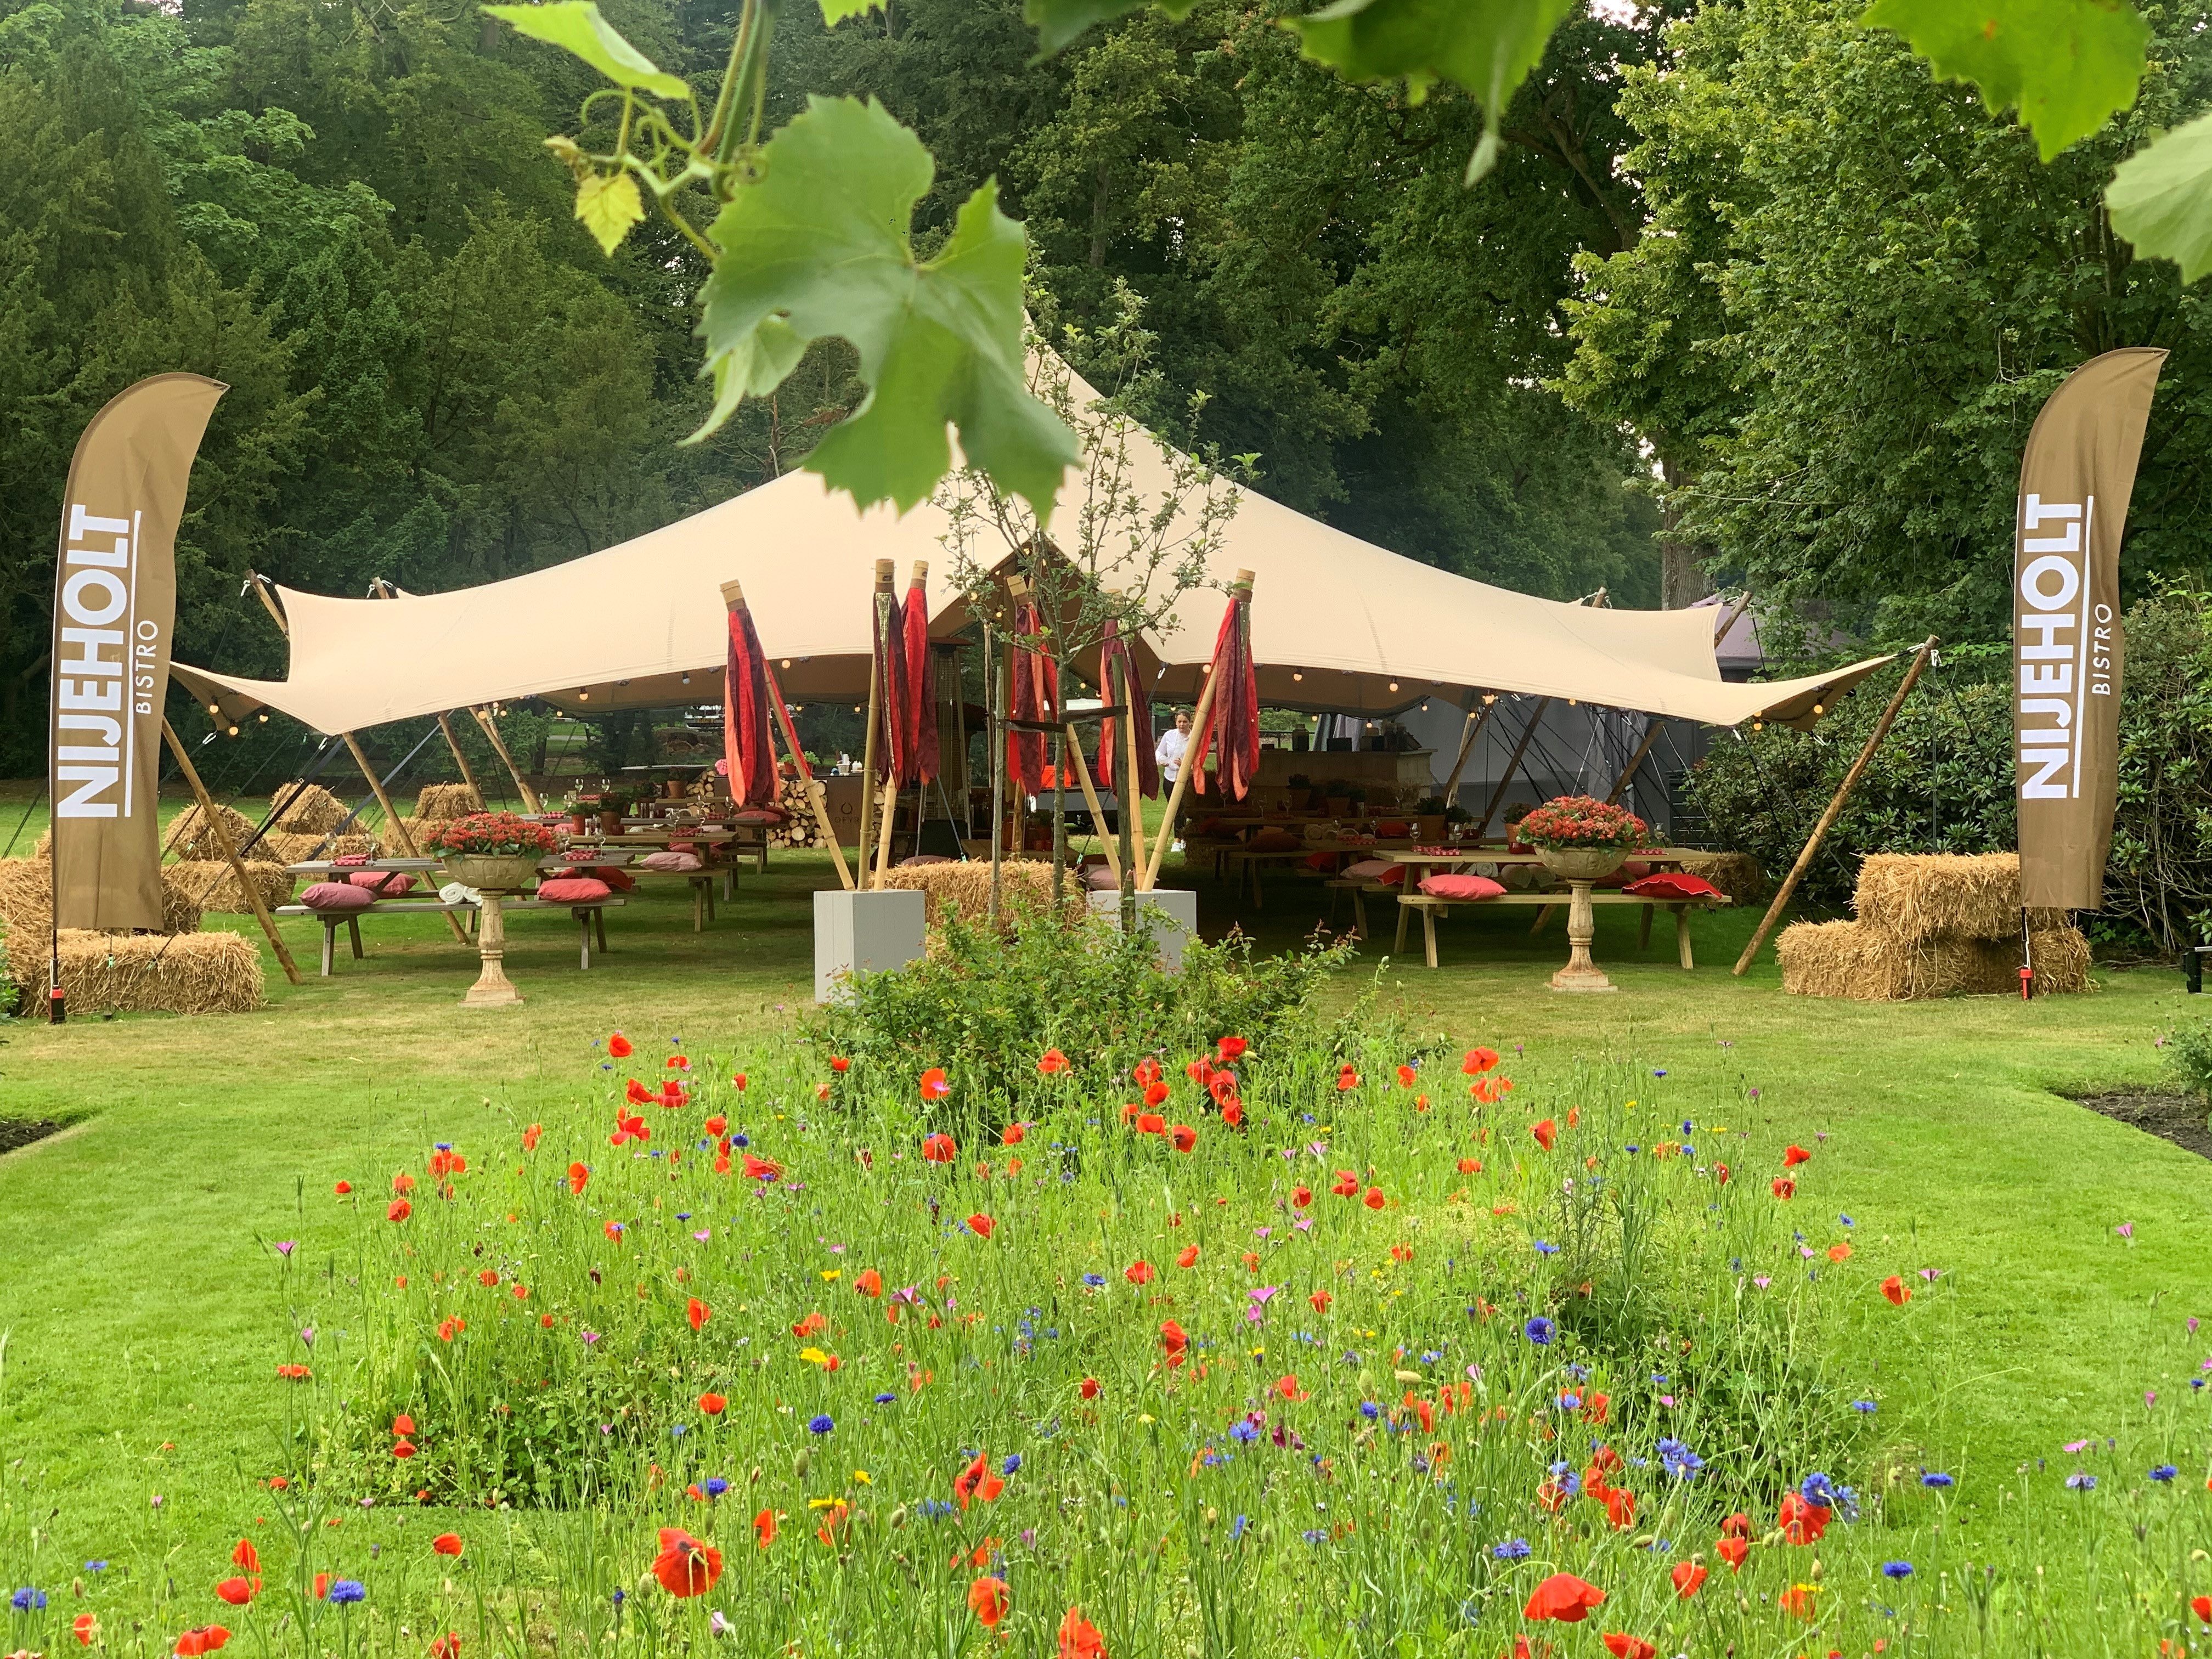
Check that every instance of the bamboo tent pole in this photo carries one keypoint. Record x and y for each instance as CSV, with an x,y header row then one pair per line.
x,y
998,691
1132,798
222,832
1730,620
1090,800
530,802
468,772
885,569
1476,720
1835,807
398,829
1620,783
1513,765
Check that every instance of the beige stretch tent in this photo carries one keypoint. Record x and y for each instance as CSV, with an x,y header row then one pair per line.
x,y
1339,623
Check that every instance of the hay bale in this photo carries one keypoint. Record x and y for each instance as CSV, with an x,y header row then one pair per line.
x,y
27,907
442,801
1867,964
963,887
215,973
1737,874
217,884
1922,896
192,836
283,846
314,811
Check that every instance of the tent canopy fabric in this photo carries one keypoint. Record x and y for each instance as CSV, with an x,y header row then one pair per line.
x,y
1338,624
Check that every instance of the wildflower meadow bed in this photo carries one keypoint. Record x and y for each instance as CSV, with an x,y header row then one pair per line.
x,y
1304,1337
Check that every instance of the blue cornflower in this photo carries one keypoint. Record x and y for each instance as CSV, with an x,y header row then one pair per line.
x,y
1580,1373
1658,1380
1570,1402
1430,1356
1315,1535
347,1591
95,1567
2164,1472
1929,1478
1244,1432
716,1485
678,1432
887,1398
1540,1330
620,1597
1897,1569
1818,1490
1237,1526
741,1140
1847,1221
1864,1407
1013,1461
28,1601
1544,1248
1677,1460
1513,1549
1370,1410
934,1508
1631,1149
821,1424
1094,1281
1570,1482
2078,1481
1686,1126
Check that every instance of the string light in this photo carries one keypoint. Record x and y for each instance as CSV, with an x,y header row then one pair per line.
x,y
583,695
1817,709
1295,675
1394,686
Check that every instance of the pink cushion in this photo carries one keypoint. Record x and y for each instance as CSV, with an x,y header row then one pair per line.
x,y
1099,879
621,880
338,895
1382,870
351,858
1464,889
572,889
1390,827
1276,840
671,859
385,883
758,815
1672,884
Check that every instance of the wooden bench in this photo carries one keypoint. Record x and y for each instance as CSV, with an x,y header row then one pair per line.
x,y
589,915
1430,907
1359,887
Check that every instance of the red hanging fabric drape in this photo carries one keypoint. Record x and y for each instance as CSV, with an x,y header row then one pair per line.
x,y
892,742
1117,681
1037,697
1233,725
918,755
748,750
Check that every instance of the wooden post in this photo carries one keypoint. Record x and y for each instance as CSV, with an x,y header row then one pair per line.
x,y
1835,807
530,802
1620,783
1198,720
222,832
1729,621
1132,797
1513,765
406,840
1476,720
468,773
998,692
1090,800
261,593
884,577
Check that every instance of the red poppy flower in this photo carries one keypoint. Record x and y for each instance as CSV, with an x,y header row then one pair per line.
x,y
1184,1136
618,1045
208,1638
294,1373
1013,1134
236,1591
987,1601
1689,1577
840,1064
448,1646
764,1528
1733,1551
1088,1388
1288,1387
447,1543
1188,1256
716,1124
1231,1049
1138,1273
713,1404
834,1521
488,1278
1155,1092
1802,1522
628,1127
322,1585
1795,1155
934,1085
1347,1184
1401,1253
400,1210
762,1169
696,1313
1897,1290
636,1093
1079,1637
402,1449
343,1187
1619,1508
976,1482
868,1282
1737,1526
1233,1114
1321,1299
1301,1196
982,1223
1628,1647
1053,1064
1199,1071
1598,1407
1470,1166
1565,1597
939,1149
86,1628
1223,1088
1797,1601
448,1328
1479,1060
1152,1123
686,1567
1173,1341
1784,1188
1347,1078
817,1321
1251,1260
1374,1199
2201,1607
1546,1134
1406,1076
1721,1174
613,1230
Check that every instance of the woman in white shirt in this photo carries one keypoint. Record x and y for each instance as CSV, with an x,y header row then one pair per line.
x,y
1173,744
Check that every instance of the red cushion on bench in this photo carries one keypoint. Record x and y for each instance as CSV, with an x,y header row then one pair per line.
x,y
1390,828
1466,889
338,895
572,889
385,883
1382,870
1672,884
1632,871
1276,840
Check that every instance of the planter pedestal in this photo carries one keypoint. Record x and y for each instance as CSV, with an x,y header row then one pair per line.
x,y
1581,974
493,988
864,933
1167,915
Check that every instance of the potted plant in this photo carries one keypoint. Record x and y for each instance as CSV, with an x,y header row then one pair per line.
x,y
1429,818
1301,789
1355,795
1336,797
493,851
1581,838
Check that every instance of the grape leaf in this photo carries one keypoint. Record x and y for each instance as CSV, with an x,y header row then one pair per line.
x,y
609,205
1487,46
576,25
2161,198
1059,21
818,244
2067,65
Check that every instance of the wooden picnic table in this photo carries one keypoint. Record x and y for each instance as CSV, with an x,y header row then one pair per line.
x,y
1420,860
589,914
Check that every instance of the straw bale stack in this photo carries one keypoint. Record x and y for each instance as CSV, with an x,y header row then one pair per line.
x,y
221,895
213,973
1866,963
1737,874
314,811
284,846
192,836
1924,896
440,801
963,887
27,907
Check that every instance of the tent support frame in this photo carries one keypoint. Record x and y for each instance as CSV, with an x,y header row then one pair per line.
x,y
1512,766
222,832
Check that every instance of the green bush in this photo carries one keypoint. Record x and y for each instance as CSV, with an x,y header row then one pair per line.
x,y
2189,1058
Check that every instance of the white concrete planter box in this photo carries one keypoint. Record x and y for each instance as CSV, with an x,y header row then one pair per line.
x,y
864,932
1168,916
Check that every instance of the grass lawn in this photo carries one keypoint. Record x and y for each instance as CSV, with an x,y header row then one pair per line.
x,y
138,1305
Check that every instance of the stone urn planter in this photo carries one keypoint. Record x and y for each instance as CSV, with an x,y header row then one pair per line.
x,y
493,875
1579,867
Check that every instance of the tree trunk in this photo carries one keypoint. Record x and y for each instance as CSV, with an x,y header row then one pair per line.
x,y
1682,579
